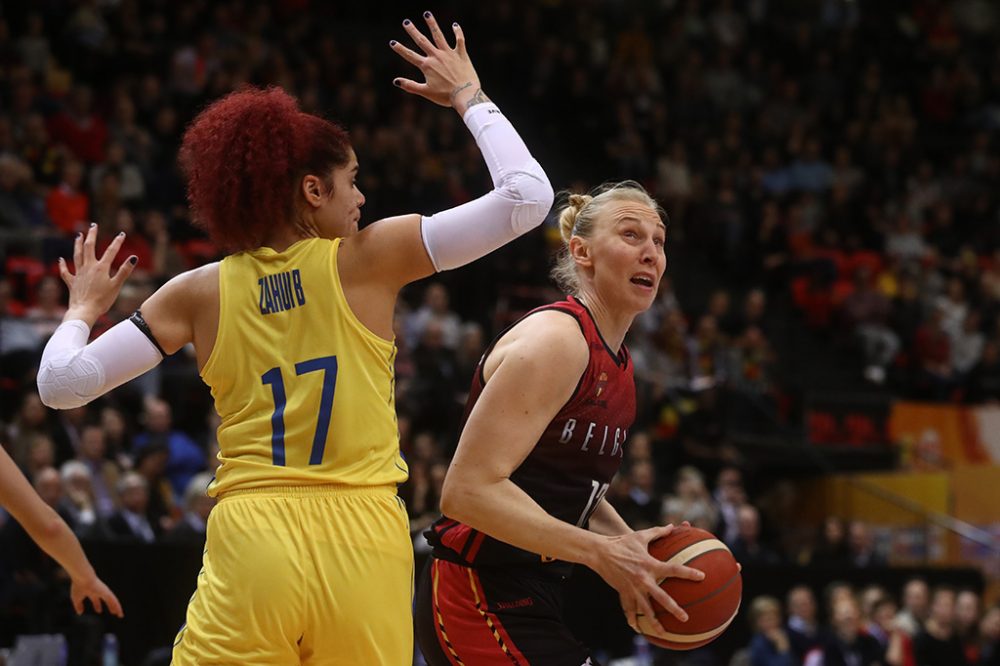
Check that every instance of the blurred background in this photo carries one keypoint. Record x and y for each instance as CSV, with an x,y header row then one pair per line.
x,y
819,376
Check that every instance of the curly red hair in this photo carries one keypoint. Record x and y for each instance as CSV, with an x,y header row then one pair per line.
x,y
244,157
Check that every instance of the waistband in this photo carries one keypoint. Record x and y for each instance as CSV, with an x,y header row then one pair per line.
x,y
322,490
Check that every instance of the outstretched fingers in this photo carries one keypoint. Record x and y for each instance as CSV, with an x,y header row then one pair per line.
x,y
407,54
436,34
418,37
64,273
90,244
459,38
112,250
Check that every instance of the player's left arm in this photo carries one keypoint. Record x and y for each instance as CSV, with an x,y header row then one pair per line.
x,y
72,373
606,520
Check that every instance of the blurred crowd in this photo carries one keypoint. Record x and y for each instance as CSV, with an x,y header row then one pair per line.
x,y
922,626
828,168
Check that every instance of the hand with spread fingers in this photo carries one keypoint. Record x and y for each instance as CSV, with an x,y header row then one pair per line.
x,y
449,77
626,565
92,288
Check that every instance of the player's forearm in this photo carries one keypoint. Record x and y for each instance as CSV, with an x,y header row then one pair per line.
x,y
72,372
53,536
606,521
507,513
519,201
39,520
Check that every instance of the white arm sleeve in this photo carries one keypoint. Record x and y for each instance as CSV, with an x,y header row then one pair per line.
x,y
73,373
519,202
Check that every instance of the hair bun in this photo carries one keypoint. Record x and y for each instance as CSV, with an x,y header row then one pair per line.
x,y
567,218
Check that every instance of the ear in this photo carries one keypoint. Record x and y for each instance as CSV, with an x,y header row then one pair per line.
x,y
579,249
312,190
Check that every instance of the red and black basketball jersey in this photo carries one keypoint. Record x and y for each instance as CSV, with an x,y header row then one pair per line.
x,y
568,471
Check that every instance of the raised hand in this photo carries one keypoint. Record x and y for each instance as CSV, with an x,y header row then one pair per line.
x,y
627,566
450,78
92,289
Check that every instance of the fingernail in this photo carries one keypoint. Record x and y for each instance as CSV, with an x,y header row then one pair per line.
x,y
427,14
121,233
392,42
397,83
79,235
133,260
455,24
406,22
93,224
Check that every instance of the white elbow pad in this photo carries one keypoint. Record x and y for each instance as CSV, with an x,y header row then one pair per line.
x,y
533,195
73,373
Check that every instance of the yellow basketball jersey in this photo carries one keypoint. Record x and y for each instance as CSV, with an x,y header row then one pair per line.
x,y
304,389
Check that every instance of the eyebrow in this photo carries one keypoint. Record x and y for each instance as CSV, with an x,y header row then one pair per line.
x,y
632,218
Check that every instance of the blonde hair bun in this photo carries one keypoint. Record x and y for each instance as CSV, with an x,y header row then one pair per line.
x,y
567,218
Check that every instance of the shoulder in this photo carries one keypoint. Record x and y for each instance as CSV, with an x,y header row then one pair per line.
x,y
188,283
550,342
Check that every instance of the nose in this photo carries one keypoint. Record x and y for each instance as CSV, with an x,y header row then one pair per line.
x,y
361,199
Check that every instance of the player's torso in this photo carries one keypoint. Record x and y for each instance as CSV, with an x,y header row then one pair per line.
x,y
569,470
304,390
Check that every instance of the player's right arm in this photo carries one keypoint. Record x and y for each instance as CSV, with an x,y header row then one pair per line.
x,y
533,372
410,247
53,535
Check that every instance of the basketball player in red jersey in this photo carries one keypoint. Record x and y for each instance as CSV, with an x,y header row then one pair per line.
x,y
546,423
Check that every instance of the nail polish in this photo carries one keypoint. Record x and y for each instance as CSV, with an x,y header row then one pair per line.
x,y
392,42
406,22
427,15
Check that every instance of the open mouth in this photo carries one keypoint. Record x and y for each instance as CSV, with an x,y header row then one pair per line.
x,y
643,281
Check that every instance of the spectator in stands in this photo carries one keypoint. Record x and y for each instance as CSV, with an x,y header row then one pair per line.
x,y
938,643
640,508
866,313
131,522
198,506
832,548
78,498
103,472
916,606
691,500
989,631
984,378
749,548
161,504
436,307
770,645
804,632
80,127
729,496
967,614
47,312
845,644
861,544
68,206
186,458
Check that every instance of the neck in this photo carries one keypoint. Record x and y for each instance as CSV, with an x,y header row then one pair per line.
x,y
613,324
282,238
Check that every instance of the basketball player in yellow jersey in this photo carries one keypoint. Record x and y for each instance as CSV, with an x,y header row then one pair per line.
x,y
308,558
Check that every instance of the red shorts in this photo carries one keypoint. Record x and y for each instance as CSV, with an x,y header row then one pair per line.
x,y
492,617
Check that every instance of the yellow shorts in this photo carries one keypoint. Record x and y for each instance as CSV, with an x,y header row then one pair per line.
x,y
315,575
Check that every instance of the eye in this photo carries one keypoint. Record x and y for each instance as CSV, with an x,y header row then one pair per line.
x,y
630,234
659,242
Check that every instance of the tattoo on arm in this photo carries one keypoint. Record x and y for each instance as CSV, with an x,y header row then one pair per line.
x,y
479,98
454,93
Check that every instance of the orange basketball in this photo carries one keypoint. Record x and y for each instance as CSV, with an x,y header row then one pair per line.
x,y
712,603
